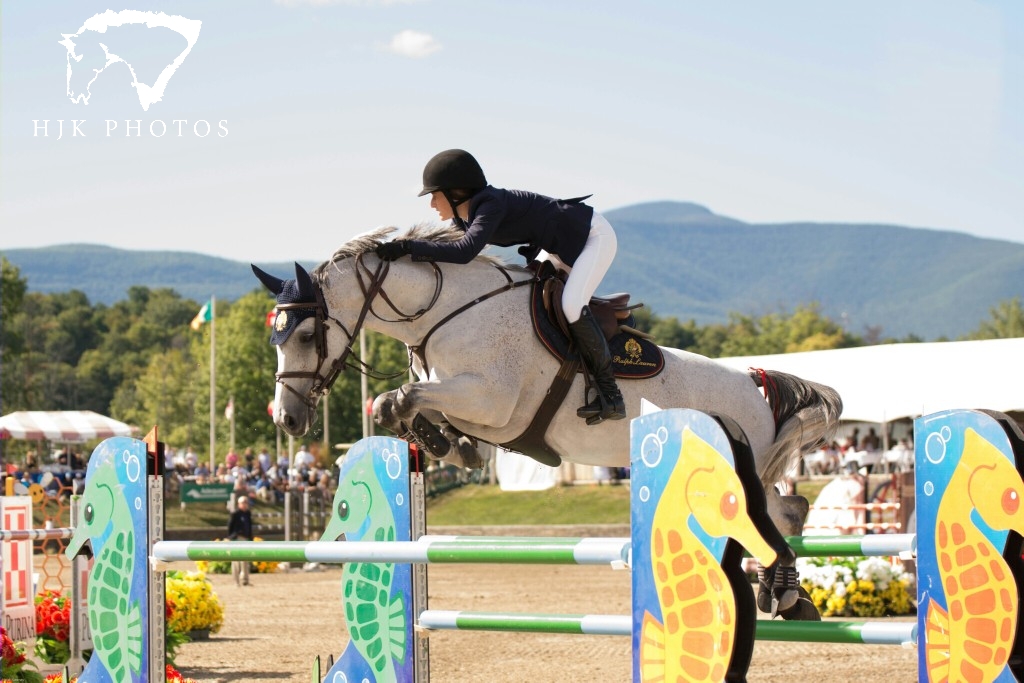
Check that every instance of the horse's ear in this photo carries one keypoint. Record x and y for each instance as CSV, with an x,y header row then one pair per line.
x,y
275,285
305,284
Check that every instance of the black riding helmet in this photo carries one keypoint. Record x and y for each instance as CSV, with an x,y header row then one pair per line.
x,y
453,169
450,170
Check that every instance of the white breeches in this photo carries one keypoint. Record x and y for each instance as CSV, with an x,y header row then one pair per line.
x,y
590,267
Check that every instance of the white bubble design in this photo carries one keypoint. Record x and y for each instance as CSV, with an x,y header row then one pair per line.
x,y
651,447
928,488
400,500
339,677
935,445
392,463
138,503
645,494
131,466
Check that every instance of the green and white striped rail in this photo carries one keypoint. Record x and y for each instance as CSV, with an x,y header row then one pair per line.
x,y
869,545
848,632
490,549
426,550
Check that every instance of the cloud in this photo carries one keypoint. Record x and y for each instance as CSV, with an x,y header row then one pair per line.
x,y
409,43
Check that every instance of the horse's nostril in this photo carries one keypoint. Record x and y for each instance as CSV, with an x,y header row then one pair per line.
x,y
289,421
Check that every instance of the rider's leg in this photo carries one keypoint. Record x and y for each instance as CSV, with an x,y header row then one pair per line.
x,y
591,265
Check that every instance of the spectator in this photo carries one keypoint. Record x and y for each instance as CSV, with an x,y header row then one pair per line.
x,y
231,460
249,458
240,527
304,459
191,461
871,442
264,459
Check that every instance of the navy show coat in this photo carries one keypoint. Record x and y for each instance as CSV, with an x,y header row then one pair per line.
x,y
508,217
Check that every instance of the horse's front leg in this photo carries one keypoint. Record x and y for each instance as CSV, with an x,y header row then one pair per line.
x,y
420,407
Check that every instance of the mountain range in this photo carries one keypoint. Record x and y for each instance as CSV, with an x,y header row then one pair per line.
x,y
680,259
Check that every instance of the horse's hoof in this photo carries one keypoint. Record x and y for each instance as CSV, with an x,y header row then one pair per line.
x,y
469,454
764,597
802,609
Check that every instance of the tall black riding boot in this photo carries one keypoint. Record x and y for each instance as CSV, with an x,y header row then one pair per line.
x,y
590,341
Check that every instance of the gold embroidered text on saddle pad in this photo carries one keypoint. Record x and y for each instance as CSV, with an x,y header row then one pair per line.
x,y
632,357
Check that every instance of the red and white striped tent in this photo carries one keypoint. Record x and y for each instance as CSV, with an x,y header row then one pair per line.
x,y
65,426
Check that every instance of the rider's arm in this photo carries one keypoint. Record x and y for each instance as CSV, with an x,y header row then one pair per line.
x,y
486,218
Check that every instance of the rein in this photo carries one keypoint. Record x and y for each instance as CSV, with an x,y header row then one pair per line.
x,y
372,286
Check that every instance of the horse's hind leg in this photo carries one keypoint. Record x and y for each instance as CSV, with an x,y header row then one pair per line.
x,y
779,590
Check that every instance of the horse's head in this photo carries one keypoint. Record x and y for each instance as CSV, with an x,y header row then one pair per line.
x,y
300,335
320,314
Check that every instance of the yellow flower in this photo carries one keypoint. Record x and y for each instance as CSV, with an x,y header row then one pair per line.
x,y
196,605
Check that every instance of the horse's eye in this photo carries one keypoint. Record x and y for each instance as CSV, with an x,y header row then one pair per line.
x,y
306,337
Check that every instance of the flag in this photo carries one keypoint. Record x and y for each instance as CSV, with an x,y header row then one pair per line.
x,y
204,315
271,317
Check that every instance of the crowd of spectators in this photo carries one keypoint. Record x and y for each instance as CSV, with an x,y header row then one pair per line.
x,y
257,475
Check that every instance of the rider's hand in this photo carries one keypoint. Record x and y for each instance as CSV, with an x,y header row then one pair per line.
x,y
529,252
389,251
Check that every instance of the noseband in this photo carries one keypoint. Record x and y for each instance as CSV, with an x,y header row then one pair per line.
x,y
327,371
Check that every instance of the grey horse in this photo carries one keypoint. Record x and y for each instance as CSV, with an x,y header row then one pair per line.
x,y
482,374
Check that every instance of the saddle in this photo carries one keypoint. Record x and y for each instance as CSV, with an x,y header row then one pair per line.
x,y
634,353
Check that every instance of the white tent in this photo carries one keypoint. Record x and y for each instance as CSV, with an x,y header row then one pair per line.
x,y
64,426
891,381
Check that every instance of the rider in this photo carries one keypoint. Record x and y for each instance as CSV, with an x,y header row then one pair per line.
x,y
571,234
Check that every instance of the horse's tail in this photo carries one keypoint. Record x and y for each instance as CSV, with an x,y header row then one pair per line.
x,y
806,417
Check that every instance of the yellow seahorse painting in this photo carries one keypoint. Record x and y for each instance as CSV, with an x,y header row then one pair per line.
x,y
694,642
971,640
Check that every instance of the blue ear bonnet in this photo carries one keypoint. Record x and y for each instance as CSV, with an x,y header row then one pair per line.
x,y
288,318
296,301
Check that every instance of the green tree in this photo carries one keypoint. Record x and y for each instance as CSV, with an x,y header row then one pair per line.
x,y
1006,321
806,329
12,297
163,396
246,364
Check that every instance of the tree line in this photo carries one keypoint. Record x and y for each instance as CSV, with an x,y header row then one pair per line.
x,y
140,362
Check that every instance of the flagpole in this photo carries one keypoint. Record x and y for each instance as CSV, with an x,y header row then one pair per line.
x,y
213,387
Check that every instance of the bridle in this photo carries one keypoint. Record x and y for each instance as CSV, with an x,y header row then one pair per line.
x,y
371,284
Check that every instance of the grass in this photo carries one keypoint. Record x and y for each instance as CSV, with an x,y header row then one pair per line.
x,y
487,505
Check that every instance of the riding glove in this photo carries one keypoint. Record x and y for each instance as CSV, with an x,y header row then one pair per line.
x,y
389,251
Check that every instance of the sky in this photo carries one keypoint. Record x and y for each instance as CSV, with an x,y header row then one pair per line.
x,y
291,126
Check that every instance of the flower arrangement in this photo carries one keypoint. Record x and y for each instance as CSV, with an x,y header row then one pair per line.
x,y
173,638
171,675
857,586
214,567
53,627
16,667
195,607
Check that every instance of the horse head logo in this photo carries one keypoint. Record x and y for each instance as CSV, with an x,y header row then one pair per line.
x,y
88,57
